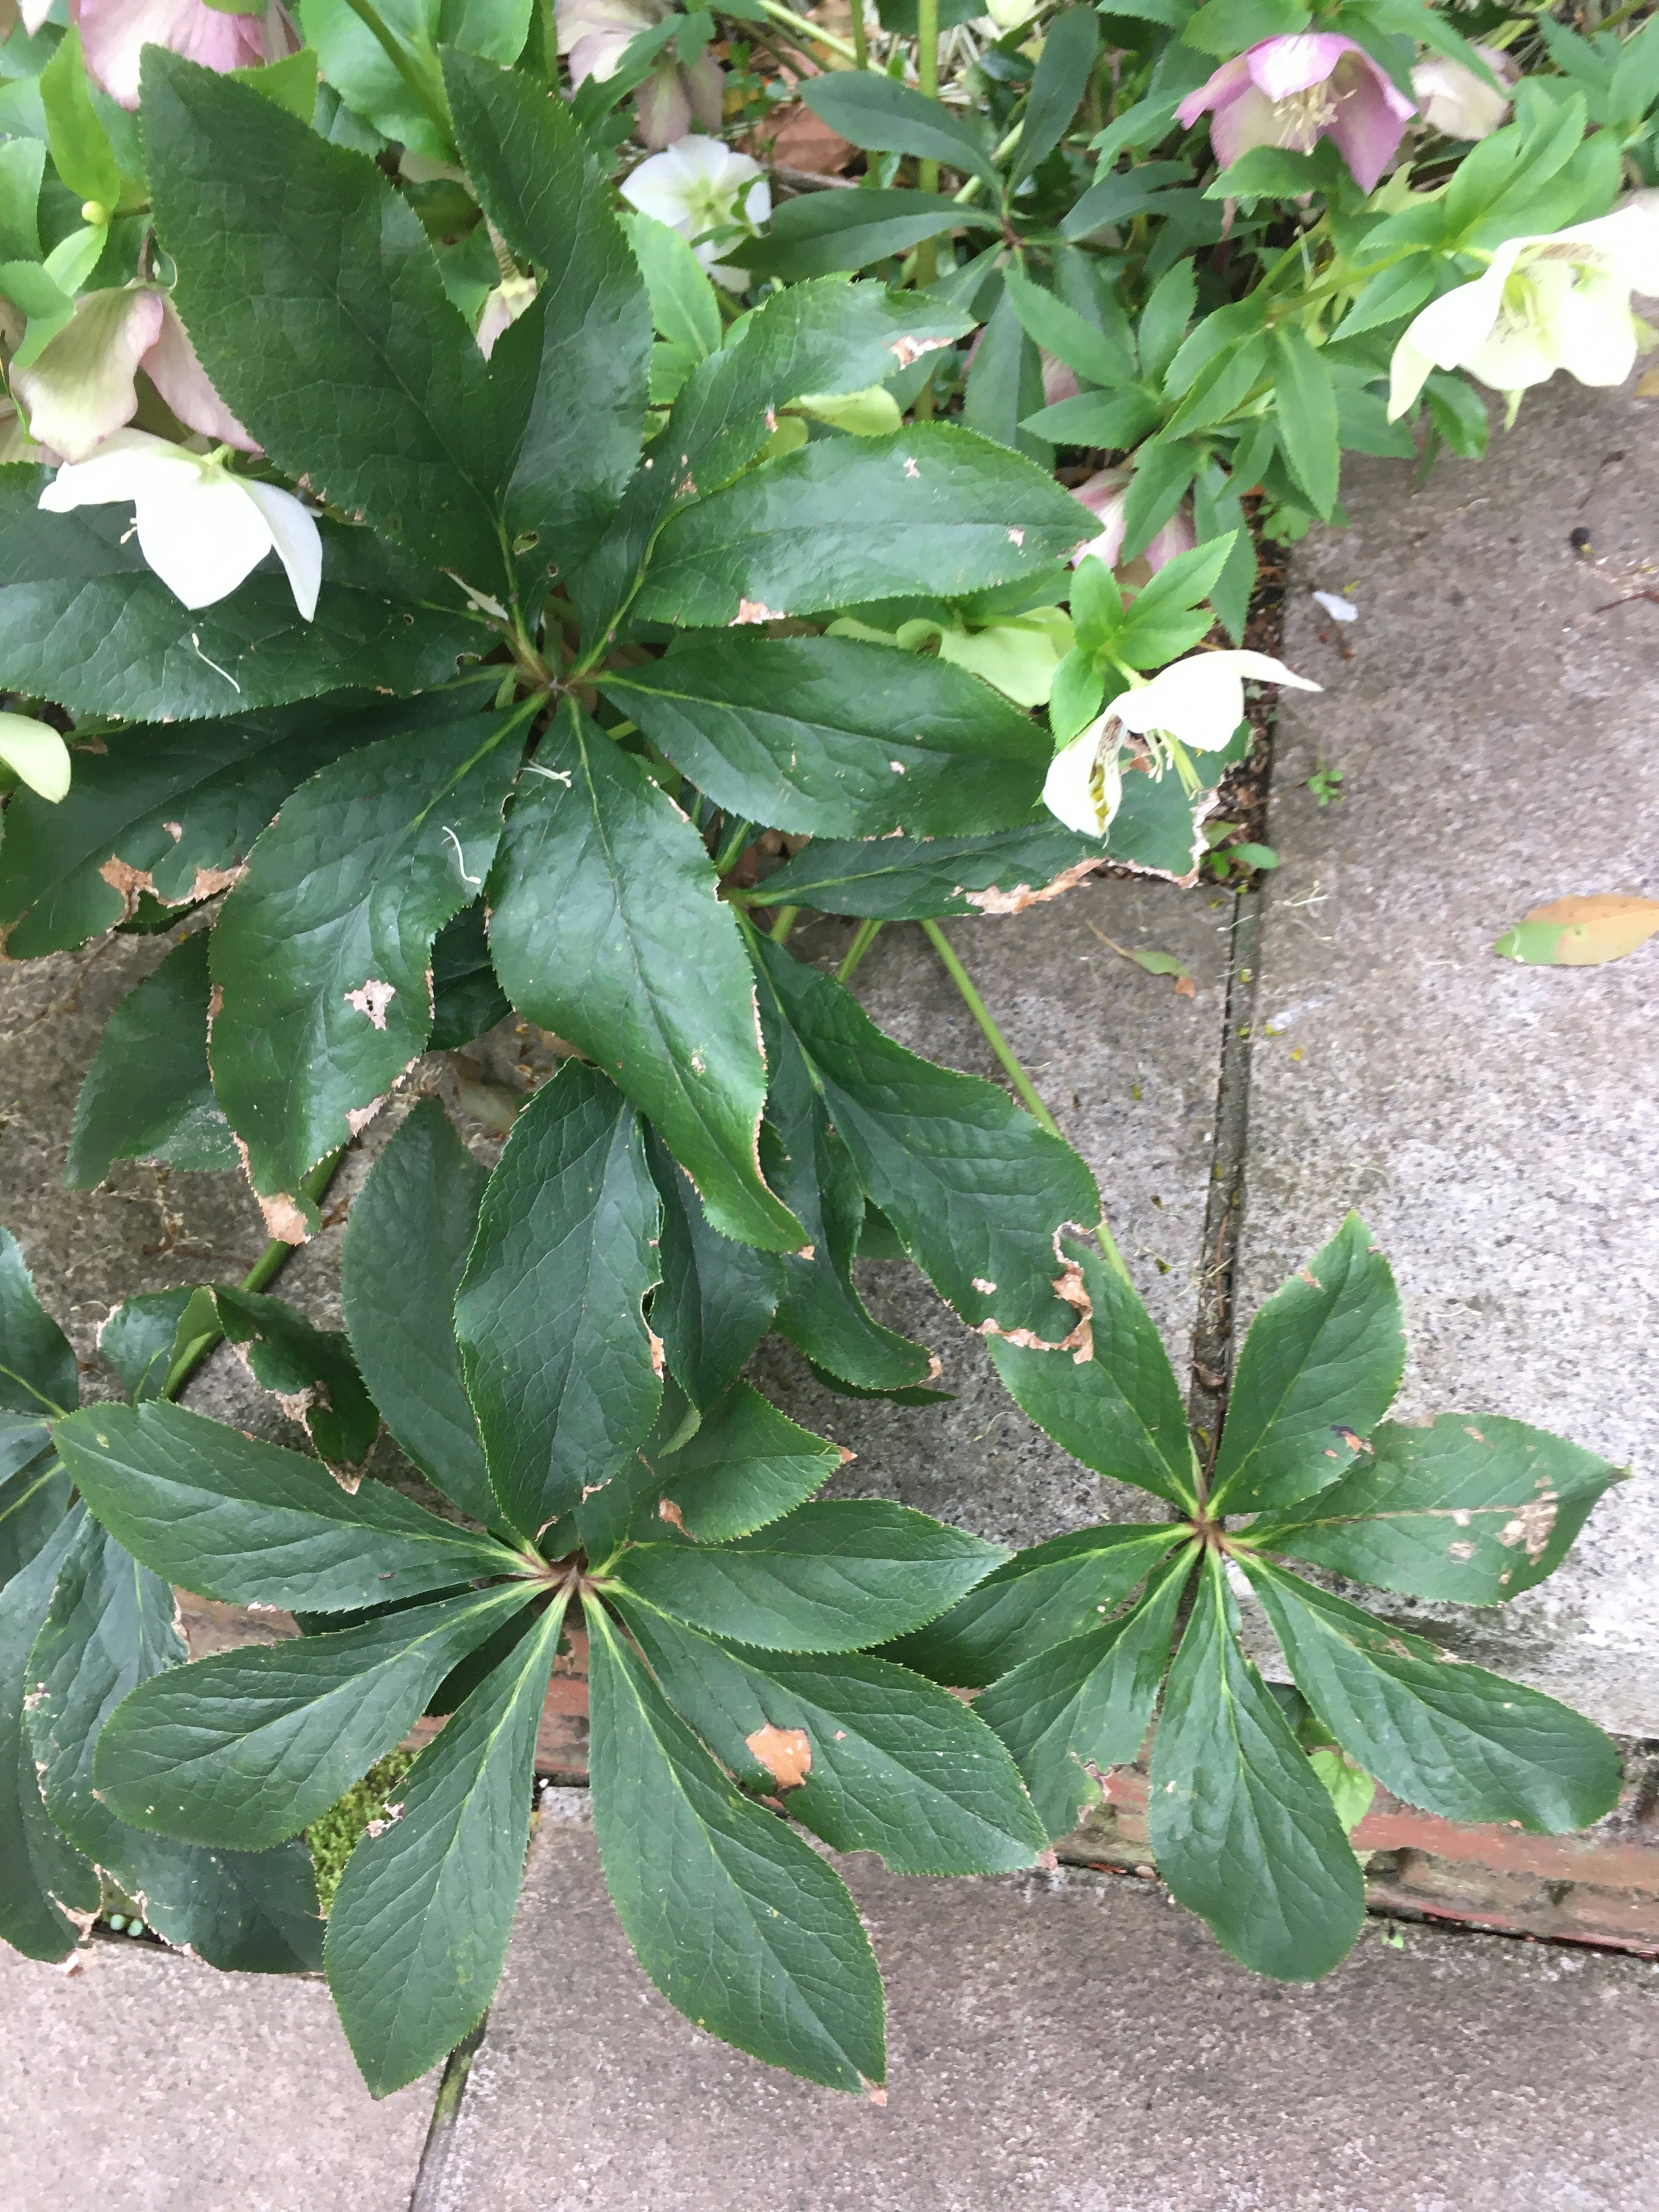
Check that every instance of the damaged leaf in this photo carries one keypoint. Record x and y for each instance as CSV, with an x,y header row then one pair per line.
x,y
1581,932
310,1372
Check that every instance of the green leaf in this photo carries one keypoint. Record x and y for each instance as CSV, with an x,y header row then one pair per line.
x,y
820,1310
1453,1740
310,1370
1319,1370
829,337
1163,321
746,1464
868,1757
419,1925
915,879
37,1374
291,82
683,308
313,298
232,1518
1226,26
1118,194
1164,470
84,620
607,929
1110,419
1241,1827
558,1360
1070,337
931,509
976,1190
250,1746
1113,1403
822,233
830,1577
716,1299
1160,623
369,81
466,1000
111,1626
43,1878
1305,406
217,784
1085,1704
140,1339
828,734
736,1920
22,164
147,1094
80,151
1004,384
1042,1596
1475,1508
1058,83
1279,172
536,175
875,112
407,1237
321,951
34,1493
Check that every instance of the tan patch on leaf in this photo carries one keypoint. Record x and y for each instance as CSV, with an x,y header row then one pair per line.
x,y
283,1217
359,1117
657,1354
1069,1286
1533,1526
372,998
905,350
1023,894
753,611
786,1753
667,1510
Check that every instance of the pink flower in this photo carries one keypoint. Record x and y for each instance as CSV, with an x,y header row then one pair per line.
x,y
1103,494
1292,92
595,34
114,33
81,387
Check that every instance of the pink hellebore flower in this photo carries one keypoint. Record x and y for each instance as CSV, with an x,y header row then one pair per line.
x,y
81,390
1457,102
114,34
1292,92
594,34
1103,494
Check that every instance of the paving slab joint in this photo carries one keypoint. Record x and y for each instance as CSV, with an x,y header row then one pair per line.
x,y
440,2143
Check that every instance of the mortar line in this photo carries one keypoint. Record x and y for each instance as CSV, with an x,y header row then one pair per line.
x,y
440,2142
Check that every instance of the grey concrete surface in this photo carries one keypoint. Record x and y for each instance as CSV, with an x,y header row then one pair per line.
x,y
1494,1124
1066,2043
145,2083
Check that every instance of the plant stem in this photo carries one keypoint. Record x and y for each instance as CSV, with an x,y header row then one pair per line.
x,y
794,22
427,95
863,938
927,85
861,35
782,923
994,1036
999,152
264,1272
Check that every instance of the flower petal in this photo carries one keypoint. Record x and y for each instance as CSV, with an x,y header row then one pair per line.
x,y
1200,700
1222,84
1083,785
81,387
36,754
126,462
173,368
662,107
201,539
298,542
114,34
1370,120
1248,119
1296,63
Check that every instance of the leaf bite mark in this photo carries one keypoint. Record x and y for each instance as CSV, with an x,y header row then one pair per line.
x,y
1023,894
1355,1442
753,611
1532,1525
910,468
283,1219
1070,1288
906,350
658,1353
985,1287
1016,536
786,1753
372,998
667,1510
1462,1550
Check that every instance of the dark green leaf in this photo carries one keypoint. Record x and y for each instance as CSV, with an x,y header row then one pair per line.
x,y
867,1756
607,930
314,300
1475,1508
419,1925
466,1000
220,1514
84,620
1163,469
1453,1740
252,1745
1058,83
1163,321
321,951
216,784
558,1361
140,1339
831,1576
1042,1596
43,1878
976,1191
1225,27
111,1626
310,1370
745,1464
1069,336
1085,1704
37,1374
826,734
915,879
821,233
34,1494
736,1920
1241,1827
716,1299
1305,405
147,1094
876,111
1109,419
929,509
683,306
535,173
1117,195
1319,1369
1114,1403
406,1242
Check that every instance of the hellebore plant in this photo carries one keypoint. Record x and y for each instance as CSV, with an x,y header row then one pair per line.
x,y
1292,92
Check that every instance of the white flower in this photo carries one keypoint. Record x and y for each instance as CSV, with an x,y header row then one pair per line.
x,y
201,529
501,308
1549,302
1199,701
1457,102
698,185
1085,784
36,754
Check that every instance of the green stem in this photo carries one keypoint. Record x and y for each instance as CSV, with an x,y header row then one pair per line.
x,y
994,1036
927,85
732,842
863,938
427,94
794,22
782,923
861,35
264,1272
970,190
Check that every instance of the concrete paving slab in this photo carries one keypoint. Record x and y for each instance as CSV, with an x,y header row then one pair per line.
x,y
1494,1124
1064,2044
146,2082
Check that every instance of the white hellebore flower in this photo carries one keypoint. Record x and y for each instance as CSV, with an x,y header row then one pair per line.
x,y
1549,302
200,528
36,756
1085,784
698,185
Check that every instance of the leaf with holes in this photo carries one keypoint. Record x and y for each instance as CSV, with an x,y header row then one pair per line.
x,y
310,1372
147,1094
745,1464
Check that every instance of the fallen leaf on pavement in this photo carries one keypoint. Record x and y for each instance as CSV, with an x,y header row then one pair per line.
x,y
1581,932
